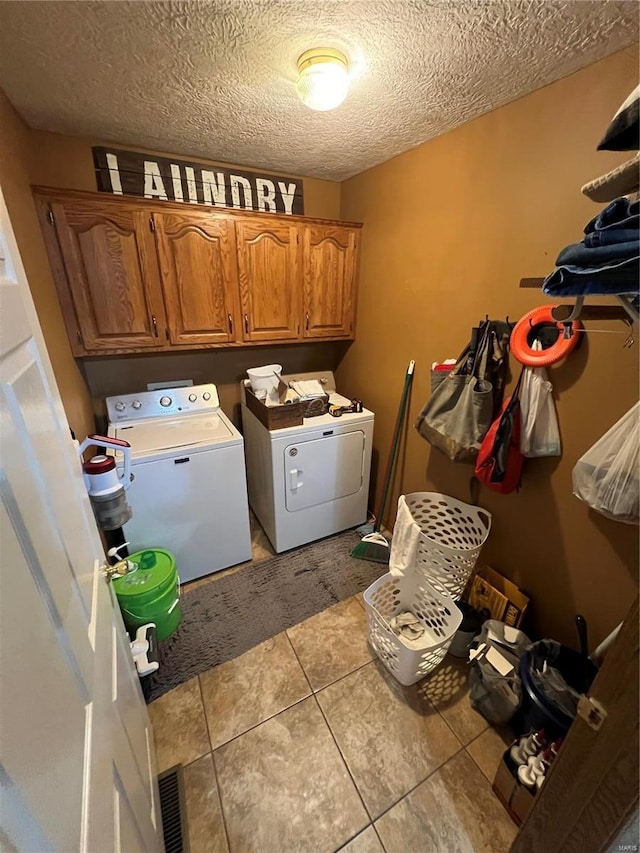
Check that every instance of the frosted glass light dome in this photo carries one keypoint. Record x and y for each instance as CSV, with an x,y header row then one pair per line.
x,y
323,83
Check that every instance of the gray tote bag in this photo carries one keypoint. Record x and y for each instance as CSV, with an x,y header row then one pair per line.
x,y
458,414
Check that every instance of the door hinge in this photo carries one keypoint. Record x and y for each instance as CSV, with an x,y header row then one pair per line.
x,y
152,224
51,217
79,337
592,712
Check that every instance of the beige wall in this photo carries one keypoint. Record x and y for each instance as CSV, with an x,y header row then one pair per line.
x,y
225,367
66,161
450,227
15,142
51,159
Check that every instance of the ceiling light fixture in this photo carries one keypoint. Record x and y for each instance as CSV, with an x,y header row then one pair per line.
x,y
324,78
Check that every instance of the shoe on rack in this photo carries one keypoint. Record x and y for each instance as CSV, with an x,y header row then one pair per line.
x,y
526,747
534,772
529,773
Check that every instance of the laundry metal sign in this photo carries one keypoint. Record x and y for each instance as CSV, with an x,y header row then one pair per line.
x,y
169,179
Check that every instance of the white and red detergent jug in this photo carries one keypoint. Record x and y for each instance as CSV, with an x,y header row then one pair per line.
x,y
105,485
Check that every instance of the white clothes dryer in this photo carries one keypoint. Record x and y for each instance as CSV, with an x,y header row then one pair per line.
x,y
309,481
189,491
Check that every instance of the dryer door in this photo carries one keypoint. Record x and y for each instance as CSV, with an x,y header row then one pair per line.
x,y
324,469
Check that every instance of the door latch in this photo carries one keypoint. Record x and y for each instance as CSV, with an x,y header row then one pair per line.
x,y
592,712
118,570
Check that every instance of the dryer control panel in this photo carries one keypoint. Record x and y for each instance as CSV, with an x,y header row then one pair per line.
x,y
165,402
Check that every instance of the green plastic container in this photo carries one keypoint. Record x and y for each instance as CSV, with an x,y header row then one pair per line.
x,y
151,593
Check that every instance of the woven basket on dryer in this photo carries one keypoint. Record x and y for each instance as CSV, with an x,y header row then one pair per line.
x,y
410,660
452,534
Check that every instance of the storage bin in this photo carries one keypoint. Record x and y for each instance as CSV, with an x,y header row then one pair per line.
x,y
274,417
452,535
410,660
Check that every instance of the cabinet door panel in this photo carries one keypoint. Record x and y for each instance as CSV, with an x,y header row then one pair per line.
x,y
109,259
269,279
329,260
196,252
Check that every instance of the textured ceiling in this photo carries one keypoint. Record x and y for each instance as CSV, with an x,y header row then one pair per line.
x,y
217,79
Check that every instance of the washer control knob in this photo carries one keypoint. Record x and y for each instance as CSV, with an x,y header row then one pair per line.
x,y
206,396
165,401
120,407
136,404
192,398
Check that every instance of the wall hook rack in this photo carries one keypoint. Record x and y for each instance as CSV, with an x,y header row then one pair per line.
x,y
626,311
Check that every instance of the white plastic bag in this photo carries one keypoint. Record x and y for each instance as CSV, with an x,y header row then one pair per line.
x,y
607,476
539,433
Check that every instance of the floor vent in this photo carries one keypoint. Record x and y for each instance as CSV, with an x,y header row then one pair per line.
x,y
174,811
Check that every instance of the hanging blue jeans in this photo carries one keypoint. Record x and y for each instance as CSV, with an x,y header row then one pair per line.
x,y
620,213
610,236
607,279
579,255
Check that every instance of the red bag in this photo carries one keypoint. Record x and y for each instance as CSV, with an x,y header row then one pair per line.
x,y
499,462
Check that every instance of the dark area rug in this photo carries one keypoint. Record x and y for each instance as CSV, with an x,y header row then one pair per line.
x,y
231,614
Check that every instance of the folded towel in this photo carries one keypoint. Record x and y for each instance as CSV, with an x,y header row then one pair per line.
x,y
407,625
404,543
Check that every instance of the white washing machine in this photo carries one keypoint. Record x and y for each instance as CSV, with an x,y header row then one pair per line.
x,y
189,492
309,481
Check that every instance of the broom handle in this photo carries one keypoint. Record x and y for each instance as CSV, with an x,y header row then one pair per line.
x,y
393,450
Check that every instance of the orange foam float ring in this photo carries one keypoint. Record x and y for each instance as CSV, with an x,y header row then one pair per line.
x,y
523,352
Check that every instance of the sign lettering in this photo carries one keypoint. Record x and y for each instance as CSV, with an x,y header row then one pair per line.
x,y
170,179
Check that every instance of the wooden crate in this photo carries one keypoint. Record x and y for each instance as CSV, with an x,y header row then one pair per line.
x,y
274,417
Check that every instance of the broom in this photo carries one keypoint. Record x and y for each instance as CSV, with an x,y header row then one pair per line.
x,y
374,546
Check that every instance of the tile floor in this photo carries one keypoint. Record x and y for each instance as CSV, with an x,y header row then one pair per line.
x,y
306,744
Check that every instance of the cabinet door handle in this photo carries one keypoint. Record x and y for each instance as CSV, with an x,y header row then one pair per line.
x,y
230,318
155,325
246,324
306,322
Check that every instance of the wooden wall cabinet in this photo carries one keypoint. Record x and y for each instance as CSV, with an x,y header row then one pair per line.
x,y
269,272
197,260
105,268
329,280
134,275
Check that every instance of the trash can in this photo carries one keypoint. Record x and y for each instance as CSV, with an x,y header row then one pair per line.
x,y
472,621
544,705
150,593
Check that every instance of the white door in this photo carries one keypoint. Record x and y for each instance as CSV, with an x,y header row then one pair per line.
x,y
324,469
76,753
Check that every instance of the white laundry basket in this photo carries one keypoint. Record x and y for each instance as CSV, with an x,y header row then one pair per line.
x,y
452,534
410,660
